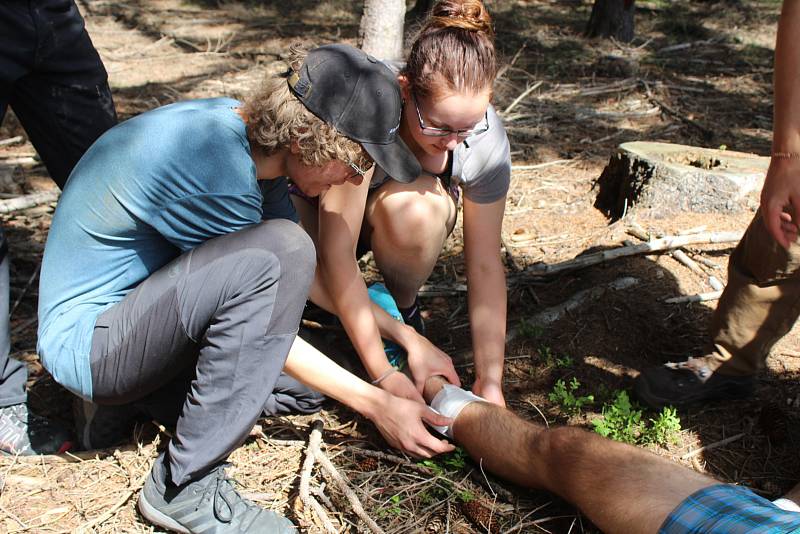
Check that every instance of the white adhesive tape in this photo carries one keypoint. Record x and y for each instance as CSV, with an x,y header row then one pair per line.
x,y
449,402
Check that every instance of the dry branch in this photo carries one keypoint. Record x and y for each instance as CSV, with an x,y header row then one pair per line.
x,y
699,297
11,140
308,501
28,201
656,245
345,488
538,165
710,446
553,314
681,256
715,284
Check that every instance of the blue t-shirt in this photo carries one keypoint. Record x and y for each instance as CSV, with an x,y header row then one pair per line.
x,y
148,190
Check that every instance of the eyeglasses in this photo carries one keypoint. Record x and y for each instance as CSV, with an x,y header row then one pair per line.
x,y
442,132
359,171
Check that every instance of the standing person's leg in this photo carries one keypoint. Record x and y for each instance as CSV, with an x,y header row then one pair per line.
x,y
54,80
230,309
21,431
759,305
406,226
63,101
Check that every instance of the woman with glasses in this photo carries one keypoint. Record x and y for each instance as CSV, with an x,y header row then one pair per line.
x,y
458,139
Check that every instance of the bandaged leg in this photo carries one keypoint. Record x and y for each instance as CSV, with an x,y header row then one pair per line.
x,y
449,402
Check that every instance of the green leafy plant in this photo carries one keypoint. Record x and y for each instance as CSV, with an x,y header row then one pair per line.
x,y
621,421
393,506
665,428
563,394
624,421
465,496
551,359
456,460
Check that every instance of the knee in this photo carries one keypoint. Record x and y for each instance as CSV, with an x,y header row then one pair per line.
x,y
410,221
558,447
291,246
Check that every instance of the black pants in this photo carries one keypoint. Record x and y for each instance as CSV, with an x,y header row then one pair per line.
x,y
53,79
224,315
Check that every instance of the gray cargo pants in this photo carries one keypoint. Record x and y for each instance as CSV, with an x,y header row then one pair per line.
x,y
224,313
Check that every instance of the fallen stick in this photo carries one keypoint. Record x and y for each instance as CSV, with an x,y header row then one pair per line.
x,y
710,446
681,257
308,501
554,313
699,297
715,284
656,245
11,140
538,165
519,99
345,488
28,201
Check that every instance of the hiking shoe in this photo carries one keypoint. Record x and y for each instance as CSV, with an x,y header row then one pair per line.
x,y
26,434
99,426
684,383
208,505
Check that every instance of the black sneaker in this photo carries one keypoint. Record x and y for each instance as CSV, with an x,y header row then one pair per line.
x,y
99,426
684,383
26,434
209,504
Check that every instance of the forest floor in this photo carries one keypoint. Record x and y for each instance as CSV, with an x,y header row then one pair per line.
x,y
697,73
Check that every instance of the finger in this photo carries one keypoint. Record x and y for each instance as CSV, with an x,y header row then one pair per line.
x,y
437,446
414,395
451,375
772,220
436,419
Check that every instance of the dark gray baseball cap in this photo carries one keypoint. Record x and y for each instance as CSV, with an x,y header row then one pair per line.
x,y
359,96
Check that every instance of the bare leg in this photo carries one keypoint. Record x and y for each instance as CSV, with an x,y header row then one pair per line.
x,y
407,225
621,488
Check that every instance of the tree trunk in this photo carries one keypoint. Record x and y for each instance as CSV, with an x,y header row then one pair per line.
x,y
611,18
381,31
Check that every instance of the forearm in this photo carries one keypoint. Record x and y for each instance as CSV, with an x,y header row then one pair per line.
x,y
487,318
317,371
353,306
786,127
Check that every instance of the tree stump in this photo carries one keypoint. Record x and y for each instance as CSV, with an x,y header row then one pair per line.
x,y
659,179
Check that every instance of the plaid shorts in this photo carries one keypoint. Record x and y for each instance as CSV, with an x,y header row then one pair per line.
x,y
729,509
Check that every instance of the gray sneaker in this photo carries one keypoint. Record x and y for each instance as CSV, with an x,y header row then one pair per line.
x,y
26,434
208,505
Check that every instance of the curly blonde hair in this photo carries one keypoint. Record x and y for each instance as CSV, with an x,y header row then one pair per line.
x,y
275,119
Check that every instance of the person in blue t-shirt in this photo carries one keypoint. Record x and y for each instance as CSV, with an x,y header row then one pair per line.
x,y
162,279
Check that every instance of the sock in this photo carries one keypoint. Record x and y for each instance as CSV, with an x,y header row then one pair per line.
x,y
413,317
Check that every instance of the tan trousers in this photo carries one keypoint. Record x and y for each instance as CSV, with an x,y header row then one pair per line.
x,y
760,304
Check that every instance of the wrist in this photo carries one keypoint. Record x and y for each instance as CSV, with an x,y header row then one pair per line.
x,y
372,403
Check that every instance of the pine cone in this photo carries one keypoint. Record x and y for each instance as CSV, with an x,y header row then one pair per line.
x,y
773,423
368,464
479,514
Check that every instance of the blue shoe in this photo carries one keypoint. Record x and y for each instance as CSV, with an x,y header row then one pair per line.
x,y
381,296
